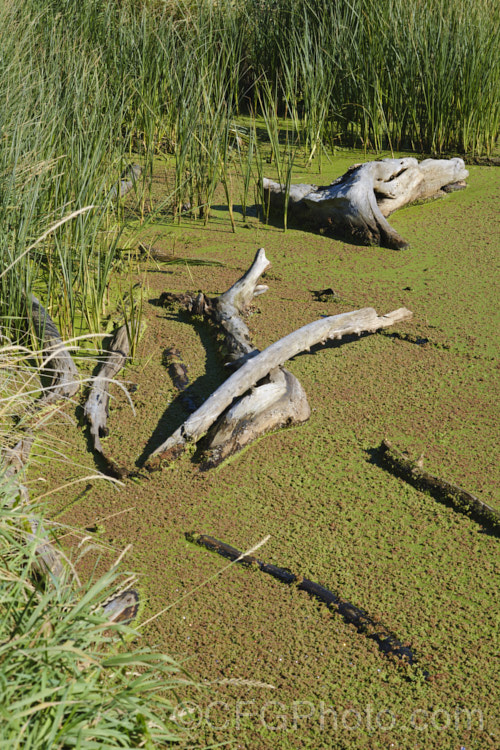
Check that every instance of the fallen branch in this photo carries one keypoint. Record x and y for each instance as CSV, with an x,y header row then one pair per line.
x,y
127,181
255,368
96,409
48,561
385,639
356,205
278,401
441,490
57,366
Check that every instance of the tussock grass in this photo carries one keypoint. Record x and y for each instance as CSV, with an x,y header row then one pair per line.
x,y
69,677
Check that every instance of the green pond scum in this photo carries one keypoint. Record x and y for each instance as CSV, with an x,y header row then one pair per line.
x,y
210,97
274,667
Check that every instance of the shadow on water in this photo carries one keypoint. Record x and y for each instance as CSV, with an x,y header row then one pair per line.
x,y
252,211
195,394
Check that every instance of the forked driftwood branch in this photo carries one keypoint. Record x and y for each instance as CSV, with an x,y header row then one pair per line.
x,y
57,366
277,401
441,490
96,409
357,204
363,622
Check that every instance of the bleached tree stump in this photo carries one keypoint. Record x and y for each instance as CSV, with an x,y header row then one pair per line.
x,y
127,181
357,204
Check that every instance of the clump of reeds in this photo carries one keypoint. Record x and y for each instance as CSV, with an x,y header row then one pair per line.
x,y
89,87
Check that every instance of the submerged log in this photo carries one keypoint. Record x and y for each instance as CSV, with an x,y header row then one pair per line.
x,y
279,401
451,494
356,204
57,366
96,409
363,622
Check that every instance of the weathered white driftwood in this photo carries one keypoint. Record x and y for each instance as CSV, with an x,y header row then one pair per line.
x,y
257,367
57,365
48,561
357,203
278,402
96,409
227,310
127,181
282,402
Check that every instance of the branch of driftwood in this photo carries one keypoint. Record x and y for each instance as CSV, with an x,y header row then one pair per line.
x,y
261,395
364,623
57,366
96,409
357,204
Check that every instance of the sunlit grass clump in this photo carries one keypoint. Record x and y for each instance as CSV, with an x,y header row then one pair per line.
x,y
65,681
68,677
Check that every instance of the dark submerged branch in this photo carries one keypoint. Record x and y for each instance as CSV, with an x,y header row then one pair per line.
x,y
364,623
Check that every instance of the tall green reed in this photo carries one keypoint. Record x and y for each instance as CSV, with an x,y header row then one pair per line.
x,y
87,86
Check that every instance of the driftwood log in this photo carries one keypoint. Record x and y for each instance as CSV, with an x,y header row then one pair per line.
x,y
357,204
48,561
441,490
57,366
96,409
277,401
272,397
127,181
386,641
